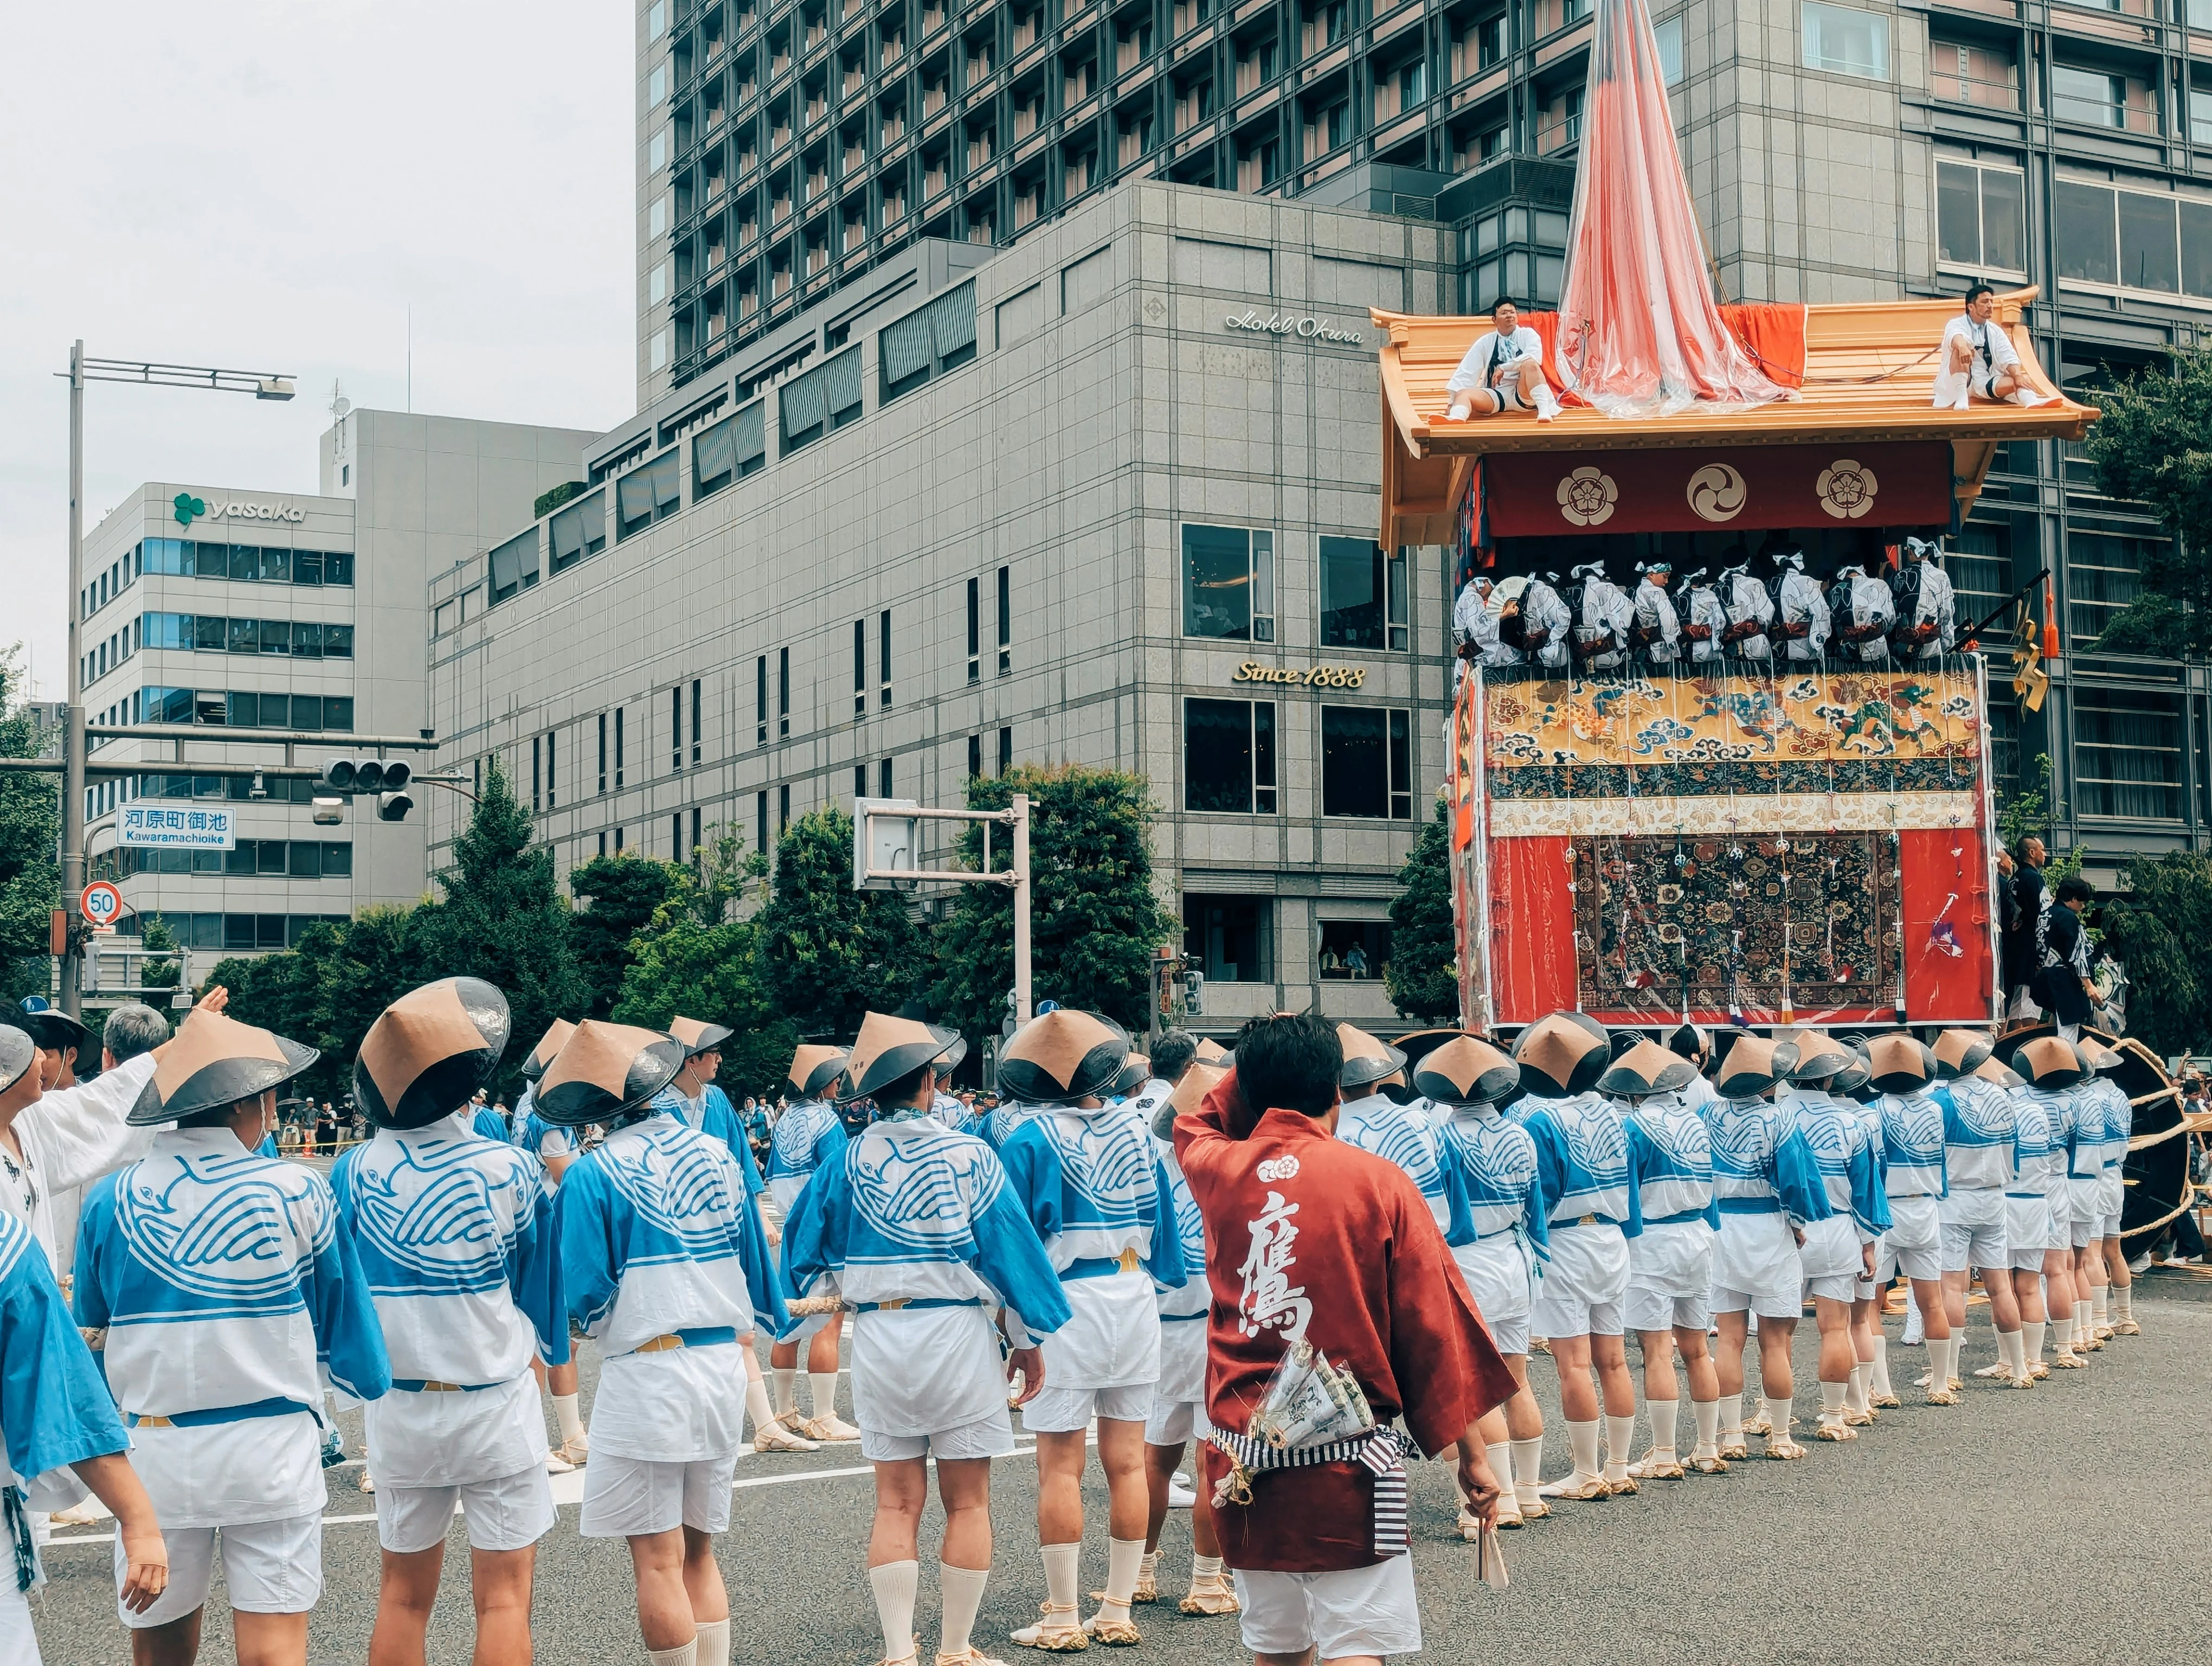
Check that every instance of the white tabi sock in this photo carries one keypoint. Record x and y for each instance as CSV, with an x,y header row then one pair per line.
x,y
1619,1438
1123,1557
565,1413
686,1656
2100,1310
1880,1380
714,1642
1708,1414
1204,1570
2123,1301
1731,1406
1500,1454
1855,1389
824,1385
785,1376
964,1595
1777,1414
2031,1341
1950,1346
2081,1310
894,1583
756,1407
1666,1414
1582,1442
1528,1470
1833,1395
1149,1568
2012,1349
1060,1582
1915,1328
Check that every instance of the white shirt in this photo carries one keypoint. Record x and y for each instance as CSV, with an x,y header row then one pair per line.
x,y
1491,353
1871,603
1542,608
1935,605
1993,351
1606,607
1473,621
70,1137
1802,603
1654,611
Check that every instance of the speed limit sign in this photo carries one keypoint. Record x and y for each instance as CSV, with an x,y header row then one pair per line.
x,y
101,905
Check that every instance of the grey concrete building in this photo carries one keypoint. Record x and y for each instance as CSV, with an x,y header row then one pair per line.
x,y
225,608
1101,497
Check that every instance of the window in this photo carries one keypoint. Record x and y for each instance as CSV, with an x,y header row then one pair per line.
x,y
1844,41
884,668
1353,951
859,667
975,635
676,836
1366,762
550,785
579,530
760,821
697,840
1228,584
825,398
1668,34
676,727
514,565
1363,596
883,779
730,450
1006,750
695,720
2104,573
648,494
760,701
534,783
1230,939
2200,99
602,752
2132,238
783,693
2127,753
859,781
927,342
1981,217
209,633
240,563
1972,74
2098,98
1005,621
783,810
1229,756
974,756
2084,232
618,758
2149,258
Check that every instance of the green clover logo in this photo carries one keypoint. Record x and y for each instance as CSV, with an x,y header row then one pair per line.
x,y
187,506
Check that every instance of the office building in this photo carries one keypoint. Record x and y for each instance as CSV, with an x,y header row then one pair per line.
x,y
222,608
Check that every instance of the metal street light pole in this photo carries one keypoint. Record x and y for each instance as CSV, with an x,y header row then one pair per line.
x,y
147,374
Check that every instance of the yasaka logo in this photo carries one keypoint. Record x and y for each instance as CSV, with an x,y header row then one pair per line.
x,y
1306,329
237,511
1278,1168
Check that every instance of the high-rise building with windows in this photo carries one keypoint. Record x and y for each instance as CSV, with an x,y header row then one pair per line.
x,y
789,151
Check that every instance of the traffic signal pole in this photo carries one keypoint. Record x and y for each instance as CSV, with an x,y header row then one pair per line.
x,y
73,737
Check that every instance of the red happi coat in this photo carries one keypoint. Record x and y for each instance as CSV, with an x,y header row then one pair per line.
x,y
1308,1235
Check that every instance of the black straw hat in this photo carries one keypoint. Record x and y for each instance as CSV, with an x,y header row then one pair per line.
x,y
1061,1057
430,1051
605,1069
213,1061
697,1036
1467,1071
1563,1054
548,1049
888,1049
814,1070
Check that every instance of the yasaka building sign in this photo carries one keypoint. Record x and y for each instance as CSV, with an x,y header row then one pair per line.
x,y
190,509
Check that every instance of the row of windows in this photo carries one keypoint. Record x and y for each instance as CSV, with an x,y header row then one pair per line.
x,y
1230,759
242,708
242,563
288,859
233,931
1229,589
212,633
1232,939
279,789
938,337
2128,239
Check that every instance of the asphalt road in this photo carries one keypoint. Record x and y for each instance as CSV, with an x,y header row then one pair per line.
x,y
2064,1524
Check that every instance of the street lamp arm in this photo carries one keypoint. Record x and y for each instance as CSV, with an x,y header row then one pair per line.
x,y
263,384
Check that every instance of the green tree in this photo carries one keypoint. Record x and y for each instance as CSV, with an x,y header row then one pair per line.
x,y
1093,921
155,936
502,919
622,893
829,952
30,836
2154,444
2033,811
2158,930
1423,976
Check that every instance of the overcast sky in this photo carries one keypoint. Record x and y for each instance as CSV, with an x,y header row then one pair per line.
x,y
270,187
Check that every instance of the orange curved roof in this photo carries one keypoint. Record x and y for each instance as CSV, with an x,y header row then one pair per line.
x,y
1869,375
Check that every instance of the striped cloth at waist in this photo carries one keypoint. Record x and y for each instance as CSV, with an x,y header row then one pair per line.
x,y
215,1414
704,1336
1683,1217
1099,1266
1769,1205
915,1303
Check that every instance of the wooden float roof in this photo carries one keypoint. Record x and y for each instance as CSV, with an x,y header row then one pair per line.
x,y
1869,375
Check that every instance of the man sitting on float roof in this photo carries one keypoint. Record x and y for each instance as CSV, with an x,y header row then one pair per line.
x,y
1502,371
1978,357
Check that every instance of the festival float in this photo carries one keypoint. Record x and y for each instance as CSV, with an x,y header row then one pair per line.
x,y
1808,842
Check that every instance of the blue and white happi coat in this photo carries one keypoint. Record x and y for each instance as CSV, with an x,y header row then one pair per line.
x,y
1494,1158
231,1301
659,1241
1183,1309
1977,1135
809,1133
915,1226
1912,1128
2119,1120
1379,1125
1092,1185
1581,1157
1672,1218
533,1134
1762,1163
454,1236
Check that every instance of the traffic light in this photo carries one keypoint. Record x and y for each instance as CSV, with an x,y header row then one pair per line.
x,y
386,778
2029,682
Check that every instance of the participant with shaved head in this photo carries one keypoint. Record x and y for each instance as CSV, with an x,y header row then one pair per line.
x,y
1583,1194
1914,1107
1087,1177
1979,1130
1494,1159
1767,1187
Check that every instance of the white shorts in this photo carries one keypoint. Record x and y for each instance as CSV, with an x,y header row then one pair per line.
x,y
1586,1285
625,1498
1063,1411
1654,1310
2107,1226
1829,1259
986,1437
2081,1211
2111,1192
1913,1245
19,1643
1756,1268
270,1567
2029,1233
510,1513
1498,1277
1973,1220
1172,1422
1351,1611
